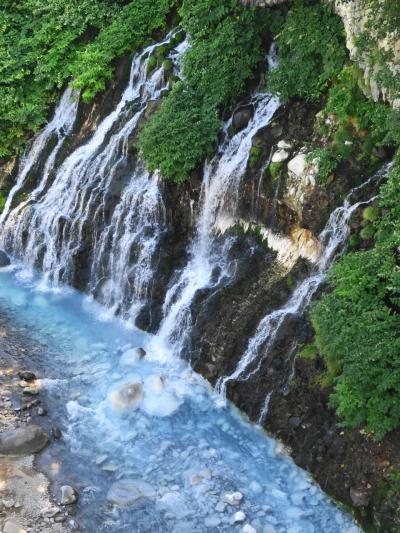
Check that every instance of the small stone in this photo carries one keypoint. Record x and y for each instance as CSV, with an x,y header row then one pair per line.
x,y
284,145
110,467
8,503
26,375
212,521
248,529
233,498
31,391
68,495
130,492
359,496
239,517
279,156
56,433
13,527
41,411
101,459
221,506
23,440
59,518
256,487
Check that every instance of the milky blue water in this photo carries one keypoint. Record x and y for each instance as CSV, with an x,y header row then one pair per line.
x,y
173,442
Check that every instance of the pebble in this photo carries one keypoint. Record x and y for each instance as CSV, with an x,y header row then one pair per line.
x,y
26,375
256,487
212,521
41,411
31,391
68,495
248,529
101,459
8,503
56,433
221,506
233,498
239,517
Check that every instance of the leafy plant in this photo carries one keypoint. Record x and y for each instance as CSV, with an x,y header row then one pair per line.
x,y
225,49
311,52
357,325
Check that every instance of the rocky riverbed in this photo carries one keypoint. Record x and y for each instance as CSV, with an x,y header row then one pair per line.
x,y
26,502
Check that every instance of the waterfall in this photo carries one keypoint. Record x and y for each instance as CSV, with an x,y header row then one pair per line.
x,y
60,126
208,266
333,239
103,211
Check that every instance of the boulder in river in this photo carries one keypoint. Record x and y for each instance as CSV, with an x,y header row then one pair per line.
x,y
68,495
128,396
4,259
130,492
242,117
23,440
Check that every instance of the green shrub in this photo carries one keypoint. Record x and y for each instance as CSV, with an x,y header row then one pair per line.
x,y
371,213
290,281
168,65
152,63
311,52
180,134
328,160
310,351
226,47
45,44
354,241
275,169
254,156
357,325
367,232
3,198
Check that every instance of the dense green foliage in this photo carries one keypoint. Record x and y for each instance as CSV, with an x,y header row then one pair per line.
x,y
226,48
311,52
45,44
352,124
357,325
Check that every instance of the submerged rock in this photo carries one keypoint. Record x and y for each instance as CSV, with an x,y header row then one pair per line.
x,y
4,259
130,492
23,440
233,498
129,396
68,495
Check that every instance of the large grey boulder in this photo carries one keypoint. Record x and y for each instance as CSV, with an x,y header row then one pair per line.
x,y
23,440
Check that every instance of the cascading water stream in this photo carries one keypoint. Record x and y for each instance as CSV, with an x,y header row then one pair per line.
x,y
60,126
333,238
208,266
98,217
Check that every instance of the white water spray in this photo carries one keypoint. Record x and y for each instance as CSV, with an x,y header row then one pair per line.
x,y
60,126
208,265
98,217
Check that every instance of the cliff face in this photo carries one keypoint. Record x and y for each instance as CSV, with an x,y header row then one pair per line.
x,y
354,16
